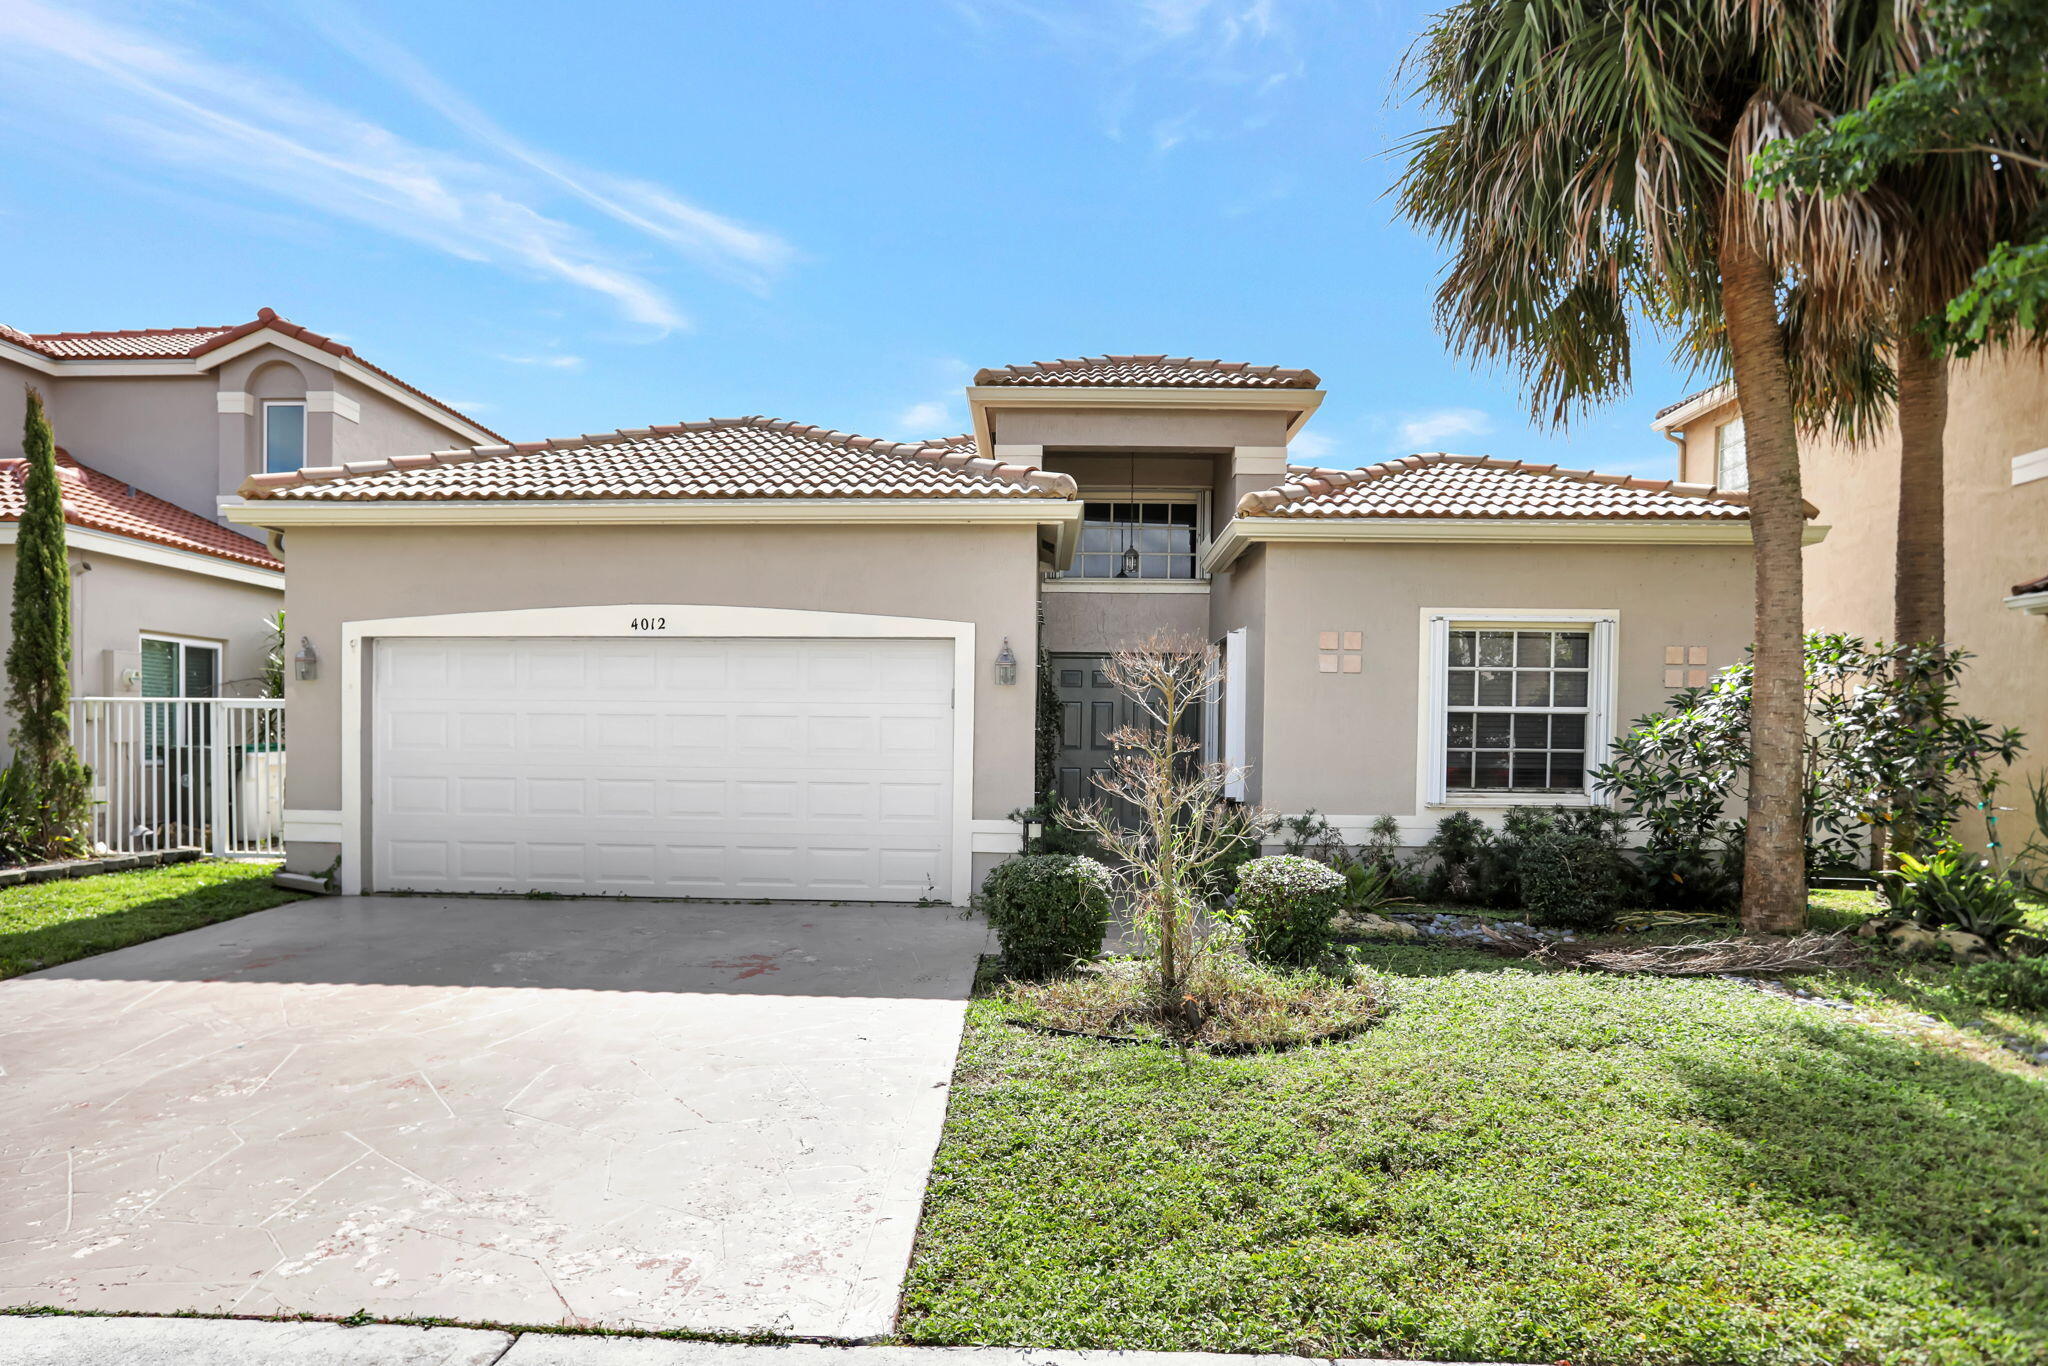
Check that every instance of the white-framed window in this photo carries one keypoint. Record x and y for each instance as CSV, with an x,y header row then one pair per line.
x,y
1225,715
284,435
1731,457
1166,531
1519,705
173,666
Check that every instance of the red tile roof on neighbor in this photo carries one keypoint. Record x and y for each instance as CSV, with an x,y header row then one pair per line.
x,y
2040,585
732,457
1156,372
1444,485
100,502
174,343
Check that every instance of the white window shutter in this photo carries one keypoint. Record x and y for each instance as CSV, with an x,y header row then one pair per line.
x,y
1434,710
1601,720
1235,658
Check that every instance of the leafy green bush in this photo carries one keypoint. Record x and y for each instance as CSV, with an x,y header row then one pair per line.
x,y
1572,879
1370,887
1886,749
1287,909
1952,887
1460,842
1049,911
2021,984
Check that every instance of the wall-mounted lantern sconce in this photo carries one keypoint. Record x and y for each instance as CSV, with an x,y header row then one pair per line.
x,y
306,663
1006,665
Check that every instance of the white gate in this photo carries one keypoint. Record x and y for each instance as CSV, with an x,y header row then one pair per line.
x,y
169,772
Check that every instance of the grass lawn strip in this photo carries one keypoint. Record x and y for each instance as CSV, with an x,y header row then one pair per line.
x,y
1517,1164
46,923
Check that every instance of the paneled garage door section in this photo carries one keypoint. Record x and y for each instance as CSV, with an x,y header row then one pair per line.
x,y
809,769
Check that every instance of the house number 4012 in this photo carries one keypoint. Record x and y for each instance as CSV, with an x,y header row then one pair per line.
x,y
650,623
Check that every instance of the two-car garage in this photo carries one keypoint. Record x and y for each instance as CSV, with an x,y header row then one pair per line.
x,y
661,765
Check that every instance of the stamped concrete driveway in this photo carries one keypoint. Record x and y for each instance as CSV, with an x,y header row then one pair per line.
x,y
638,1114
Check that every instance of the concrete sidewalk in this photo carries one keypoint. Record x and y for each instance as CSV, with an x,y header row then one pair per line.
x,y
86,1341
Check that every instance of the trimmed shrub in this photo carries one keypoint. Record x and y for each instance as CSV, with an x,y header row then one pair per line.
x,y
1287,908
1572,880
1049,911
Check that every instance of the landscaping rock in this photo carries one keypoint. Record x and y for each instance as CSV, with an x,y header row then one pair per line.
x,y
1912,939
1878,926
1964,946
1365,925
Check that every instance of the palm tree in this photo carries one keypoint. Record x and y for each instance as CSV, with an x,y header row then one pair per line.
x,y
1592,164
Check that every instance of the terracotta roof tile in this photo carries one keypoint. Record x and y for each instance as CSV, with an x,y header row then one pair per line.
x,y
730,457
162,343
1444,485
2040,585
100,502
1166,372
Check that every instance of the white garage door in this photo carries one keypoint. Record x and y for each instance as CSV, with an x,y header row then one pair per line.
x,y
810,769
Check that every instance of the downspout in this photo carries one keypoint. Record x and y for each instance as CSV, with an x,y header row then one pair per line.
x,y
1677,439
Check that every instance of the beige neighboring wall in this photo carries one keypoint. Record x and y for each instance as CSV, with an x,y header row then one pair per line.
x,y
1997,535
1346,744
118,601
977,573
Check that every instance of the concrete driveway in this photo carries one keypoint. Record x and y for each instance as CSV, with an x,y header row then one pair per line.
x,y
640,1114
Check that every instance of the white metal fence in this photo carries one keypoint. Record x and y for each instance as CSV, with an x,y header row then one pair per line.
x,y
176,771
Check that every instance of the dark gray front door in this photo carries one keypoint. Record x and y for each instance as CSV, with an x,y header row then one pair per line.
x,y
1091,710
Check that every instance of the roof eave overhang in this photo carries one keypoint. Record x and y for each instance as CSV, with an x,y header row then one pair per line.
x,y
1692,410
93,541
1242,532
2036,603
1062,516
158,367
984,400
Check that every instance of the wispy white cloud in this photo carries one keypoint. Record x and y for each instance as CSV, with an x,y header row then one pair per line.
x,y
924,419
128,94
1428,431
712,240
1311,448
548,362
1193,55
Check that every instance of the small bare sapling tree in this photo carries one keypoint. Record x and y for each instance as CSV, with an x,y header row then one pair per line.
x,y
1162,815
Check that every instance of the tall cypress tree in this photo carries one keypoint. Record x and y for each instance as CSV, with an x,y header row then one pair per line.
x,y
48,788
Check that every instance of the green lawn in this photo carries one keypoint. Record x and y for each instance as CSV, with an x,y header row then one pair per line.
x,y
46,923
1519,1165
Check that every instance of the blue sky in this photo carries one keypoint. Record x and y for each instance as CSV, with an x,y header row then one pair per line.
x,y
571,218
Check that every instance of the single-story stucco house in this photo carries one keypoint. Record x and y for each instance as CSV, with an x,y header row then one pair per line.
x,y
747,658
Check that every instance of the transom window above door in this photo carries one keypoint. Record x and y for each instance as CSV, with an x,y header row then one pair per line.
x,y
1139,540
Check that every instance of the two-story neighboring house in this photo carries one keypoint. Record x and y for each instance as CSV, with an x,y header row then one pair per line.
x,y
745,657
156,429
1996,514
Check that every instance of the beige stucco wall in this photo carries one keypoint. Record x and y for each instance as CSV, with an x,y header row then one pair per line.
x,y
1997,536
1099,623
1165,429
155,433
385,428
983,574
117,601
1346,744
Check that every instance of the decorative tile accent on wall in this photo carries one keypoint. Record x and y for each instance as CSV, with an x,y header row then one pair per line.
x,y
1692,677
1327,660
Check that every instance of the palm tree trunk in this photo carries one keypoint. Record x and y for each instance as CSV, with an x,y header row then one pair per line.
x,y
1774,866
1918,604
